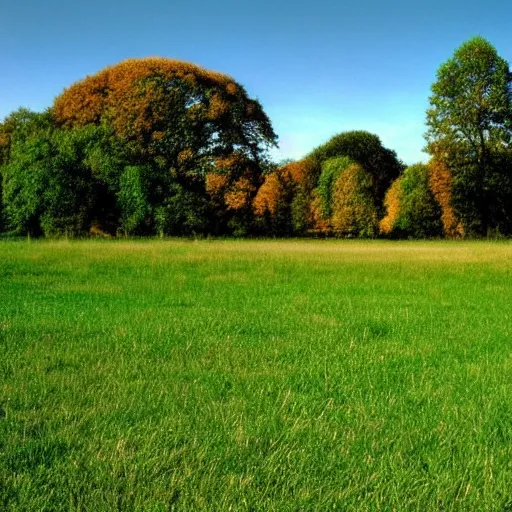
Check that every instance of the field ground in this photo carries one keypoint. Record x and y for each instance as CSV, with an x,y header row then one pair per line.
x,y
255,375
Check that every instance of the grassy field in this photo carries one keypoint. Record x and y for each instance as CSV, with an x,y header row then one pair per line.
x,y
255,375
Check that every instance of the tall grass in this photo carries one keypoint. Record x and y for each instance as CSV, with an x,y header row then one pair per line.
x,y
276,375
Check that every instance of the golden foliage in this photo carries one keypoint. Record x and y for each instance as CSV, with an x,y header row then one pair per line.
x,y
269,195
318,221
231,88
354,212
440,181
130,94
216,183
392,204
218,107
185,156
300,171
4,140
239,194
288,191
231,161
232,183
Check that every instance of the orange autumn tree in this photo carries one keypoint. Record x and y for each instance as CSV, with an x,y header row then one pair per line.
x,y
165,107
305,214
271,194
392,205
231,186
283,204
176,120
272,204
440,180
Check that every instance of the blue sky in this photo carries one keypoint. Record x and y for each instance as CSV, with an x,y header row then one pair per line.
x,y
318,67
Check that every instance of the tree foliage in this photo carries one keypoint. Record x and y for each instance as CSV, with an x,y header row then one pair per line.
x,y
304,174
159,146
440,182
470,130
331,170
272,204
354,212
49,187
367,150
181,128
283,205
412,210
171,110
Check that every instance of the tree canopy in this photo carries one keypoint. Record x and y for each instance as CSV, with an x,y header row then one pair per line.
x,y
367,150
158,146
138,140
169,109
412,210
470,129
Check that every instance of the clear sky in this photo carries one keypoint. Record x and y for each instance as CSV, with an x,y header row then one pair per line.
x,y
318,67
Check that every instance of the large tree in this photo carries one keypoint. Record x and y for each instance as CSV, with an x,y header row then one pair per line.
x,y
470,129
171,111
129,150
178,123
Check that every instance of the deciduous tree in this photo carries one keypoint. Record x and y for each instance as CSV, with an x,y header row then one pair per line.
x,y
470,130
412,210
179,126
354,212
367,150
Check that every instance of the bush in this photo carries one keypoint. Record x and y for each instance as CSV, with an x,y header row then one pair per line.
x,y
184,212
133,202
48,185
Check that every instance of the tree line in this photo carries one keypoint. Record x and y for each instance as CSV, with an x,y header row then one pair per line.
x,y
163,147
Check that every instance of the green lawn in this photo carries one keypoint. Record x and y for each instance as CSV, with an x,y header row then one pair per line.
x,y
255,375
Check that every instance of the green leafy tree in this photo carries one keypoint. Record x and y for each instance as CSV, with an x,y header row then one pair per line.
x,y
470,129
367,150
51,185
412,210
331,170
24,147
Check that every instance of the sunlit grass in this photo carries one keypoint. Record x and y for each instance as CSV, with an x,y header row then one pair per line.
x,y
255,375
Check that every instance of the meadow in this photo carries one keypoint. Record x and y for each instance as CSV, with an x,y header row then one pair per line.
x,y
156,375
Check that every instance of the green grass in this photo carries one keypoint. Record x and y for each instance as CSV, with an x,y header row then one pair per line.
x,y
255,375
